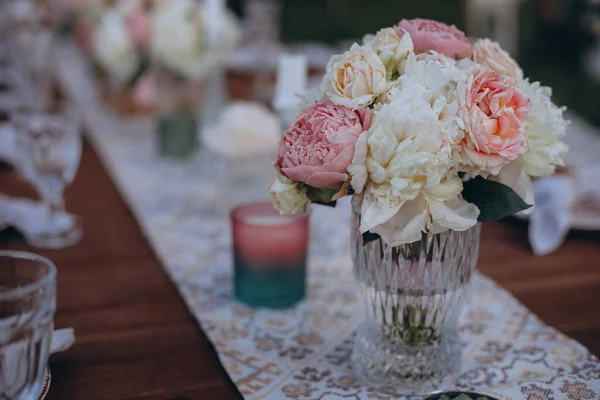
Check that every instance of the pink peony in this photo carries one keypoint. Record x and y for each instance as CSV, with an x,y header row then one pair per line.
x,y
432,35
319,146
495,114
139,27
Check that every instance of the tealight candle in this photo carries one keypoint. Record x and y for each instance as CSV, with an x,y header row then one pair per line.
x,y
270,252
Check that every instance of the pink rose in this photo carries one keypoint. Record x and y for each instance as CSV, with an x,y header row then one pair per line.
x,y
495,114
432,35
139,27
319,146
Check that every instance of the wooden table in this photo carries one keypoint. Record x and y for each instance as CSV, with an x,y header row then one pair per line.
x,y
136,339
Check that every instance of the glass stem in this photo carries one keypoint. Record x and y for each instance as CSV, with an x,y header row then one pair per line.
x,y
55,202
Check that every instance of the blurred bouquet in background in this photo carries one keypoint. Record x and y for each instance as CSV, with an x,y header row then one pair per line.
x,y
128,40
428,130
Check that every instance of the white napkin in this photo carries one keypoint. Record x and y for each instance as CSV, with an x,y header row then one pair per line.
x,y
549,222
32,217
556,198
7,143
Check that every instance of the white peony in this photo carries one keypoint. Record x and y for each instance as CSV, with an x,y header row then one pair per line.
x,y
436,209
391,48
354,78
113,47
545,129
409,158
288,198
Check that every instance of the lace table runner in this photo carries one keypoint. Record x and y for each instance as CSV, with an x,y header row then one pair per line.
x,y
304,352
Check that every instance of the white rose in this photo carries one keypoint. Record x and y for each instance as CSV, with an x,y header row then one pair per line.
x,y
113,47
354,78
287,198
497,59
391,48
545,129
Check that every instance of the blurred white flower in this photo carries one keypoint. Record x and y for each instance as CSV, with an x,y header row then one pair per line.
x,y
178,36
244,128
178,40
545,129
113,47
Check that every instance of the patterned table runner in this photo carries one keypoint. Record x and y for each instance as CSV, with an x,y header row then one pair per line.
x,y
304,352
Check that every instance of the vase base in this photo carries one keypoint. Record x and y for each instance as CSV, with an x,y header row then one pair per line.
x,y
405,370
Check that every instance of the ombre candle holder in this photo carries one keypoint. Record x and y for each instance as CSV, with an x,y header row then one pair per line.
x,y
270,252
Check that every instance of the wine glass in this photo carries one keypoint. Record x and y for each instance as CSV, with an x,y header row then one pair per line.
x,y
48,154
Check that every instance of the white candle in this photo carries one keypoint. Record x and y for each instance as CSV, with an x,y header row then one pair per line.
x,y
292,72
215,12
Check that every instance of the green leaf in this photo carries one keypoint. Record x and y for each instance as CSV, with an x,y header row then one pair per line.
x,y
494,199
143,66
321,195
369,237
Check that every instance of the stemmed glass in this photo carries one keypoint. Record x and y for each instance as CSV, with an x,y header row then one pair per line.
x,y
48,153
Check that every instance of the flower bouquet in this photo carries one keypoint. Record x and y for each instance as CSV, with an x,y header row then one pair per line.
x,y
431,133
184,54
118,43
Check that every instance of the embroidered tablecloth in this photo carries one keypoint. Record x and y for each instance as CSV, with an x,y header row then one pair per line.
x,y
304,352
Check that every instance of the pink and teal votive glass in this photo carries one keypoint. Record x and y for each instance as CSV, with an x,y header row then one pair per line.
x,y
270,252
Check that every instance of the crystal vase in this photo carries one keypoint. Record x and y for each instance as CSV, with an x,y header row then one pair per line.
x,y
413,295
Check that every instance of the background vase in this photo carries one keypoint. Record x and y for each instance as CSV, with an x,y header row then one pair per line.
x,y
179,103
413,295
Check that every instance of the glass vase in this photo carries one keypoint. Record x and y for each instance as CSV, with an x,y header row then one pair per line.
x,y
177,135
179,102
413,295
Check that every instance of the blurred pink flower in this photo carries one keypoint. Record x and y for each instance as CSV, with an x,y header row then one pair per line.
x,y
428,35
139,27
319,146
144,92
495,114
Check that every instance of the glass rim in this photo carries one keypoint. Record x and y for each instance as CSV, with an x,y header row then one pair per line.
x,y
32,287
236,212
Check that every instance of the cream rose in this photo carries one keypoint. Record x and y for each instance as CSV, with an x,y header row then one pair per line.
x,y
391,47
545,127
288,198
113,48
497,59
354,78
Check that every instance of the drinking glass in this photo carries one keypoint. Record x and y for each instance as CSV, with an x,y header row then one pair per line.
x,y
27,305
49,150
